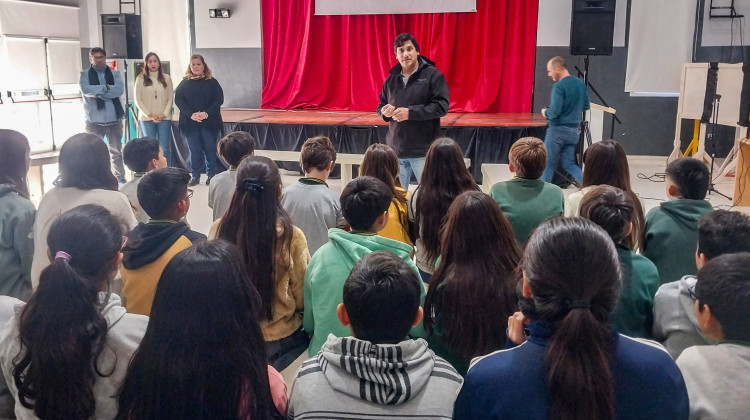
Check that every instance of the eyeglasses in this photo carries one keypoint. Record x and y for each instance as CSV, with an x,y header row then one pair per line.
x,y
691,292
98,57
189,194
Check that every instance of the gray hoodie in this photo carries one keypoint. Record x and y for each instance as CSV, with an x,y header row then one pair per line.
x,y
16,243
356,379
675,324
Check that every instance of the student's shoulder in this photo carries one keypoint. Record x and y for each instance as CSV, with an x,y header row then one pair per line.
x,y
194,237
642,356
445,370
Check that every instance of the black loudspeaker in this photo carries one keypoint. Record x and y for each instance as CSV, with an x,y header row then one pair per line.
x,y
592,27
121,36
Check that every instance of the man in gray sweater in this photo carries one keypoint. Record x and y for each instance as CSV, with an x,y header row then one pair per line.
x,y
377,373
718,376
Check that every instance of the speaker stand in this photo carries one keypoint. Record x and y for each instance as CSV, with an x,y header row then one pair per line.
x,y
127,102
714,122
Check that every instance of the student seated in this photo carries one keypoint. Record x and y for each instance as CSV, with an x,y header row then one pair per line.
x,y
377,372
312,206
473,290
444,178
140,155
364,201
232,148
613,209
381,162
16,216
85,178
675,325
672,228
526,200
605,163
573,365
164,195
203,356
718,376
275,254
65,354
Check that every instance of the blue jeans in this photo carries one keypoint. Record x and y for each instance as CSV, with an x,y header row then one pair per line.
x,y
202,145
561,147
163,132
410,166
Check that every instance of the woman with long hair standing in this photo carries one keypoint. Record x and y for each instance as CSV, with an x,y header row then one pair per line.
x,y
16,216
199,97
65,354
154,98
473,291
85,178
381,162
275,254
444,178
203,355
573,365
605,163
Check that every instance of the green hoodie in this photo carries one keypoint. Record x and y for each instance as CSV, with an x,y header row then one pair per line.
x,y
17,216
672,237
325,277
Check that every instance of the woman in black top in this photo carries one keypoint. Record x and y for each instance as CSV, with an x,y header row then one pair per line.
x,y
199,97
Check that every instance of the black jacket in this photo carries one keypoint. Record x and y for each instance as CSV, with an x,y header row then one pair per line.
x,y
148,241
199,95
427,97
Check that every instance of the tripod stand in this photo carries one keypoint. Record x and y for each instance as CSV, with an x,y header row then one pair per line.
x,y
712,135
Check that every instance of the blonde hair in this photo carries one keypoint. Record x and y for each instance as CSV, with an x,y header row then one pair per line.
x,y
528,157
206,71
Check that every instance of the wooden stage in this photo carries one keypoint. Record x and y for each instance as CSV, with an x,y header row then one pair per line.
x,y
483,137
270,116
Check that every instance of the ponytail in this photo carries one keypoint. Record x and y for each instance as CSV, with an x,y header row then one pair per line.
x,y
578,375
61,329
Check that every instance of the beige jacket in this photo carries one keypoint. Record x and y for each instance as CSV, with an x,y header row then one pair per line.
x,y
155,99
289,301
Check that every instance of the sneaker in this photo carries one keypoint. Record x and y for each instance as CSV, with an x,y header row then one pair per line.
x,y
194,181
208,181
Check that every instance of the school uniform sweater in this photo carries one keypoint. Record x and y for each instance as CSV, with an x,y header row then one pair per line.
x,y
150,247
527,203
16,243
675,324
717,379
130,189
327,273
314,208
288,300
221,190
357,379
634,314
512,384
672,237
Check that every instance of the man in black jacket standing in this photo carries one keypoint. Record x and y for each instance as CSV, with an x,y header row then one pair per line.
x,y
414,97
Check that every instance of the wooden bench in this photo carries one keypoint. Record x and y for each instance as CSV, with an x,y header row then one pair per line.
x,y
36,171
346,160
492,173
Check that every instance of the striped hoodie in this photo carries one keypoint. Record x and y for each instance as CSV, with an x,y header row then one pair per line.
x,y
356,379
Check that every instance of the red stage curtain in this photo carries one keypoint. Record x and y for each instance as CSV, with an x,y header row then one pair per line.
x,y
340,62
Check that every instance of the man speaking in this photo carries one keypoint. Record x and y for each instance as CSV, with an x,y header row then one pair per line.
x,y
414,97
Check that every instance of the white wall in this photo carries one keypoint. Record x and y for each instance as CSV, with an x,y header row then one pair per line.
x,y
554,23
718,32
242,30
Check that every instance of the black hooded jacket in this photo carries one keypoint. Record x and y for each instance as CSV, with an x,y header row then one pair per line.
x,y
427,97
148,241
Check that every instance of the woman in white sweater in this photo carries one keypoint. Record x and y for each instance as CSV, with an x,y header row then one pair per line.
x,y
154,98
85,178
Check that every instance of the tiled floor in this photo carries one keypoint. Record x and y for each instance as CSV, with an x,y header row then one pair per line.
x,y
652,191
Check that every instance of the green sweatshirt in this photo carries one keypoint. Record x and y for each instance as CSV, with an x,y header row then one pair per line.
x,y
672,237
527,203
634,314
325,277
569,98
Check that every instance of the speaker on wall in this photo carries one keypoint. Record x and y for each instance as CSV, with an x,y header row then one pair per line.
x,y
121,36
592,27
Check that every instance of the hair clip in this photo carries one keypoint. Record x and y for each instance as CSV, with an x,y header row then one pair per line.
x,y
252,185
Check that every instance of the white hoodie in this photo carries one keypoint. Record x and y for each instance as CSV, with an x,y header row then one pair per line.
x,y
356,379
